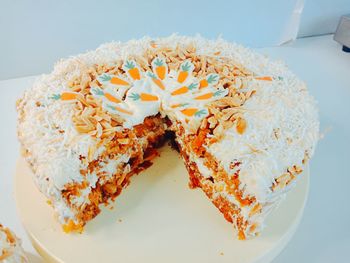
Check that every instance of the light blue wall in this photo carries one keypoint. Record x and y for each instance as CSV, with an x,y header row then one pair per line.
x,y
35,34
322,16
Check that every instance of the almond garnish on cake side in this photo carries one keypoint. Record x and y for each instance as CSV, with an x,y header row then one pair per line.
x,y
245,126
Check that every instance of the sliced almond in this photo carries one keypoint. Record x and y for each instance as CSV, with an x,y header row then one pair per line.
x,y
124,140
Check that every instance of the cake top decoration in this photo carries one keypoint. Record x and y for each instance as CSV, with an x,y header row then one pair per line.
x,y
140,93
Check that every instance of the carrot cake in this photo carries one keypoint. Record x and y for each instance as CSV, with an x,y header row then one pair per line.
x,y
11,250
245,126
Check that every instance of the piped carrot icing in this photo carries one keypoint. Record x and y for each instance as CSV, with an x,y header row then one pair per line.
x,y
66,96
143,94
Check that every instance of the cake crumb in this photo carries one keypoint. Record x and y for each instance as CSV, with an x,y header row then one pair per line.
x,y
221,253
119,220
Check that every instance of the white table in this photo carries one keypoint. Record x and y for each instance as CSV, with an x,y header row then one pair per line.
x,y
324,233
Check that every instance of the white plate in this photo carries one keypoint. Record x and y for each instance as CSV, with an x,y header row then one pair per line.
x,y
156,219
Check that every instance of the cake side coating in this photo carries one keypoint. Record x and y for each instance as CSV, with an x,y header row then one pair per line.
x,y
260,137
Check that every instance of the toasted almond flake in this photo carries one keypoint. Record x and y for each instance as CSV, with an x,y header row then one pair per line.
x,y
231,101
228,113
204,123
212,122
249,94
124,140
227,124
298,169
82,128
110,188
99,130
218,131
256,209
121,179
91,152
283,179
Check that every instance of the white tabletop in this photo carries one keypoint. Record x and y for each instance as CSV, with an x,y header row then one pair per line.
x,y
324,233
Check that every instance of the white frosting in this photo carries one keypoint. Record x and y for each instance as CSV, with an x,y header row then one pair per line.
x,y
204,171
110,166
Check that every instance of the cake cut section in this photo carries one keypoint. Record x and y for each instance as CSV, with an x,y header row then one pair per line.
x,y
245,126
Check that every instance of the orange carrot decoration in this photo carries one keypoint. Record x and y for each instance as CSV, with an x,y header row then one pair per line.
x,y
184,89
143,97
99,92
65,96
211,79
156,81
160,68
189,112
111,98
209,95
185,67
178,105
134,72
114,80
266,78
116,108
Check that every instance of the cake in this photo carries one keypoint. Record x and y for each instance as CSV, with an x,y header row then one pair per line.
x,y
11,250
245,126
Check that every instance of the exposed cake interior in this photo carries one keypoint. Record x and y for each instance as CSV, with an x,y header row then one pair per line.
x,y
244,126
114,170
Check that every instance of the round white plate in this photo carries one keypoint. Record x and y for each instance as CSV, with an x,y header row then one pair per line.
x,y
157,218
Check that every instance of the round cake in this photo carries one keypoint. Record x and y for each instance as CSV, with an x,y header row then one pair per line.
x,y
245,126
11,250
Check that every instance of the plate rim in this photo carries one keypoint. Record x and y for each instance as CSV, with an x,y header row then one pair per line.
x,y
267,257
